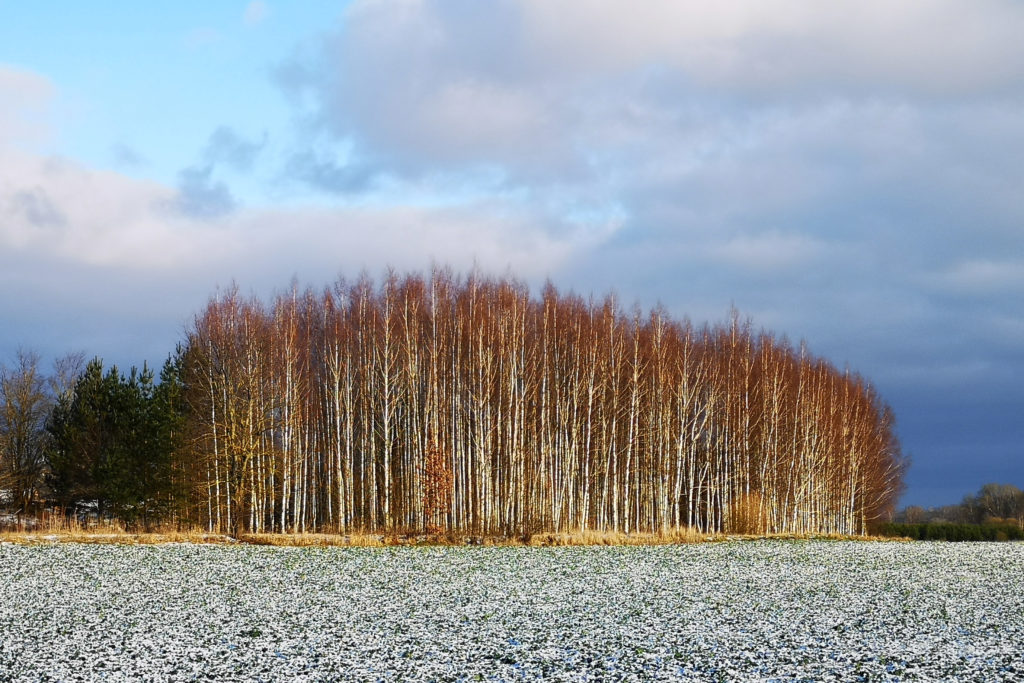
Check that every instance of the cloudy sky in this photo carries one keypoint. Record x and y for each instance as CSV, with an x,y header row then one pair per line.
x,y
849,173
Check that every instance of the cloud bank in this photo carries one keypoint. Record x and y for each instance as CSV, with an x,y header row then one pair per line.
x,y
847,172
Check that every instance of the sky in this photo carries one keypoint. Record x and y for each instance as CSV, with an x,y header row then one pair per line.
x,y
845,173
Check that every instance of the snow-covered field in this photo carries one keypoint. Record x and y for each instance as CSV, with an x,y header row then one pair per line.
x,y
728,611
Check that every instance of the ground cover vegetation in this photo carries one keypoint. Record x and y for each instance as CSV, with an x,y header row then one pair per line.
x,y
737,611
946,531
446,404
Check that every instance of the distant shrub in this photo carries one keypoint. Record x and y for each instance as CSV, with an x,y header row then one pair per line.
x,y
944,531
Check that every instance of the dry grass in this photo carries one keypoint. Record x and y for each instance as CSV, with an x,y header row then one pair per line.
x,y
592,537
58,529
304,540
61,530
746,514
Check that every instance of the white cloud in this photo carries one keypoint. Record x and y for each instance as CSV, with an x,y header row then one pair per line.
x,y
56,208
255,13
57,211
25,99
494,237
53,209
563,96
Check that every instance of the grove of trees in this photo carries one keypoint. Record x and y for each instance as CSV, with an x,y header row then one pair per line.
x,y
467,405
113,441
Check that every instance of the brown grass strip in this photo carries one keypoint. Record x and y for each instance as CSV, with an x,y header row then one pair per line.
x,y
59,530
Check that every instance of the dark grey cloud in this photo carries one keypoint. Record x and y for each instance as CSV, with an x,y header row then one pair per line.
x,y
226,147
201,196
325,173
37,208
201,193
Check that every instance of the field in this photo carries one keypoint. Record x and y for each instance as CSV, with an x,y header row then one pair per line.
x,y
763,610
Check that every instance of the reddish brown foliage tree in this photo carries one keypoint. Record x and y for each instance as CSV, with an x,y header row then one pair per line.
x,y
466,405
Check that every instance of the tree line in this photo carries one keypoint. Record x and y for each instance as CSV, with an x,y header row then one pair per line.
x,y
993,503
465,404
994,513
953,531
